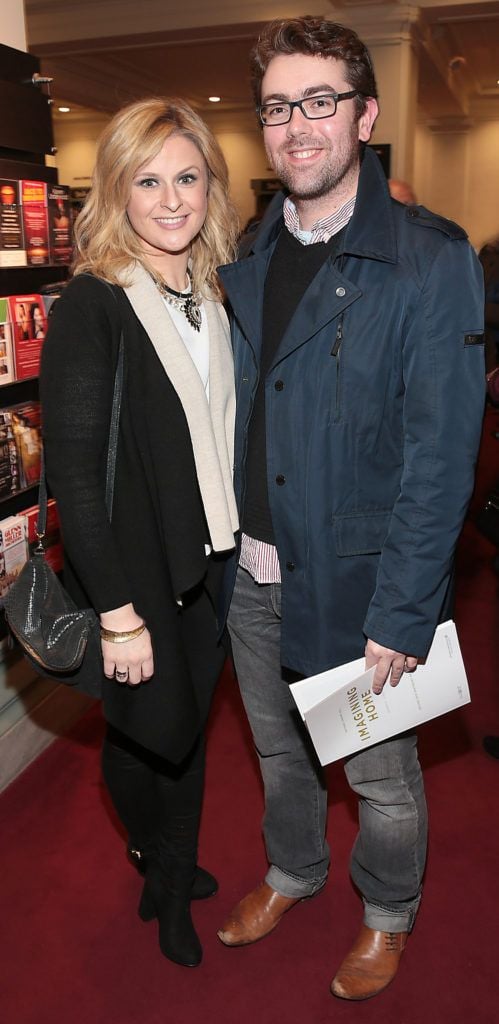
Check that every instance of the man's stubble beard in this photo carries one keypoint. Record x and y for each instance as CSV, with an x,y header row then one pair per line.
x,y
343,162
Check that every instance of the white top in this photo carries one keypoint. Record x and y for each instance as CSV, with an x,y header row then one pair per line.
x,y
211,424
197,343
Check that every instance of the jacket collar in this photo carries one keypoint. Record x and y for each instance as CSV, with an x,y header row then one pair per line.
x,y
370,233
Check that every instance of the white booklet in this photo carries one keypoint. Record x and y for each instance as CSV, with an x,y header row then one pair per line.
x,y
343,715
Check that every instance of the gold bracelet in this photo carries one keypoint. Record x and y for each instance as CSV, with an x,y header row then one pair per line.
x,y
114,637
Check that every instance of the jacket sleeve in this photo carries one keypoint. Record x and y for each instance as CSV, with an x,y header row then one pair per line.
x,y
444,378
76,389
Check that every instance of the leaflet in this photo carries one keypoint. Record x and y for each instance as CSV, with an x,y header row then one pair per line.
x,y
343,715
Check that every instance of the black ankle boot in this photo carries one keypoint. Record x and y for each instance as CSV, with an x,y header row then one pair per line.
x,y
203,886
178,940
169,899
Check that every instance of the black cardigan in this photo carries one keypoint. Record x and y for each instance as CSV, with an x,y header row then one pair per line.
x,y
153,550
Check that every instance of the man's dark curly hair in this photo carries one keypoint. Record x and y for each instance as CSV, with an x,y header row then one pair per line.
x,y
315,37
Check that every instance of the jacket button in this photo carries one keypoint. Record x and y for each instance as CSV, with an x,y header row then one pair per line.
x,y
340,292
290,566
279,384
280,479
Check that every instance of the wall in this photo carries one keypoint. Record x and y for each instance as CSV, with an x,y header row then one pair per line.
x,y
482,220
246,159
456,174
396,77
76,140
13,24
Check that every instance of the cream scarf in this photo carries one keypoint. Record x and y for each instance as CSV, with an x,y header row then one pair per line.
x,y
211,424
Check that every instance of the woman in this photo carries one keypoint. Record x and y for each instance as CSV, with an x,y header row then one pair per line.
x,y
23,332
38,321
155,226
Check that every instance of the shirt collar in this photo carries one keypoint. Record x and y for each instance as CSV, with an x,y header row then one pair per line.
x,y
323,229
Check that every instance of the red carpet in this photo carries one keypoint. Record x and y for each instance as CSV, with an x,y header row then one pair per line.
x,y
74,949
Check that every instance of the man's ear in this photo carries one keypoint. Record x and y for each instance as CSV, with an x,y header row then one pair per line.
x,y
367,119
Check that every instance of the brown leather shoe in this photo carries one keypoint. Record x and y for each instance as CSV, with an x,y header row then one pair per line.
x,y
255,916
371,964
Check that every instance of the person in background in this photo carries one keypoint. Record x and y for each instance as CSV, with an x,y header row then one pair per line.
x,y
402,192
155,226
489,258
358,341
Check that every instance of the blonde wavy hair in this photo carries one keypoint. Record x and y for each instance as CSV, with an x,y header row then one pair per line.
x,y
106,244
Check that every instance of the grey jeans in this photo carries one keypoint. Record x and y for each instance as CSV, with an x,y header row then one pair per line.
x,y
389,853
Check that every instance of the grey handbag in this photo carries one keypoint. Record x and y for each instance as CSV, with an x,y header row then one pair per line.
x,y
58,638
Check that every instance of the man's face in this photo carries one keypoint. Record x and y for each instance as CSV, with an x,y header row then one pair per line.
x,y
314,157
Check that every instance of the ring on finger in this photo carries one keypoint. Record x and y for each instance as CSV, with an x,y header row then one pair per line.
x,y
121,676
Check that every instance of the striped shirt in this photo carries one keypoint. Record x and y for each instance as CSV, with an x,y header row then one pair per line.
x,y
323,229
257,557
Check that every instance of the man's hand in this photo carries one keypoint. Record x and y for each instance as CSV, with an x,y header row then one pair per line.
x,y
387,662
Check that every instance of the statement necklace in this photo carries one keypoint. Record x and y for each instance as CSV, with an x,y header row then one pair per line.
x,y
188,303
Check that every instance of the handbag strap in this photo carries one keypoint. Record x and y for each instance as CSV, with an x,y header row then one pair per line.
x,y
112,451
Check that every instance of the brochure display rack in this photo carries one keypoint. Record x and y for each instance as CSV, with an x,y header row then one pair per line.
x,y
35,250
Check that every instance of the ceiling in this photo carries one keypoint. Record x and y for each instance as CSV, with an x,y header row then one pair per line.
x,y
104,75
457,47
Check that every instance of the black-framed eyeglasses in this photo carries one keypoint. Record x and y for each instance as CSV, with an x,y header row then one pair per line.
x,y
312,107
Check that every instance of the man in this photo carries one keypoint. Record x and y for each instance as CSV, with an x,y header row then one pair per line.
x,y
357,329
402,191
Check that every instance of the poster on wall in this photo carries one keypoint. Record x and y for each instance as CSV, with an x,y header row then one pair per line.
x,y
12,251
13,551
29,327
26,427
60,220
35,222
7,374
9,459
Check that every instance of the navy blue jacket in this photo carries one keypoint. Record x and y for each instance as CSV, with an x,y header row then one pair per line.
x,y
374,405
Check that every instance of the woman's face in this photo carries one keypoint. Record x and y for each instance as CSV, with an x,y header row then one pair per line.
x,y
169,199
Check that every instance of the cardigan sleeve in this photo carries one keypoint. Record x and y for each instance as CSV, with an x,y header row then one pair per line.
x,y
76,389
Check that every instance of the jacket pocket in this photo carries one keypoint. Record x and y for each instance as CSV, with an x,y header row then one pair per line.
x,y
361,533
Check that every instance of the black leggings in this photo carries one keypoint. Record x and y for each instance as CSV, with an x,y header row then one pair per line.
x,y
158,802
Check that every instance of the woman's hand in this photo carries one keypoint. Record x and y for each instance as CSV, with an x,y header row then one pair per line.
x,y
130,662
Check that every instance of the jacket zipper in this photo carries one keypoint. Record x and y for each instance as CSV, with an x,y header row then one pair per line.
x,y
335,352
